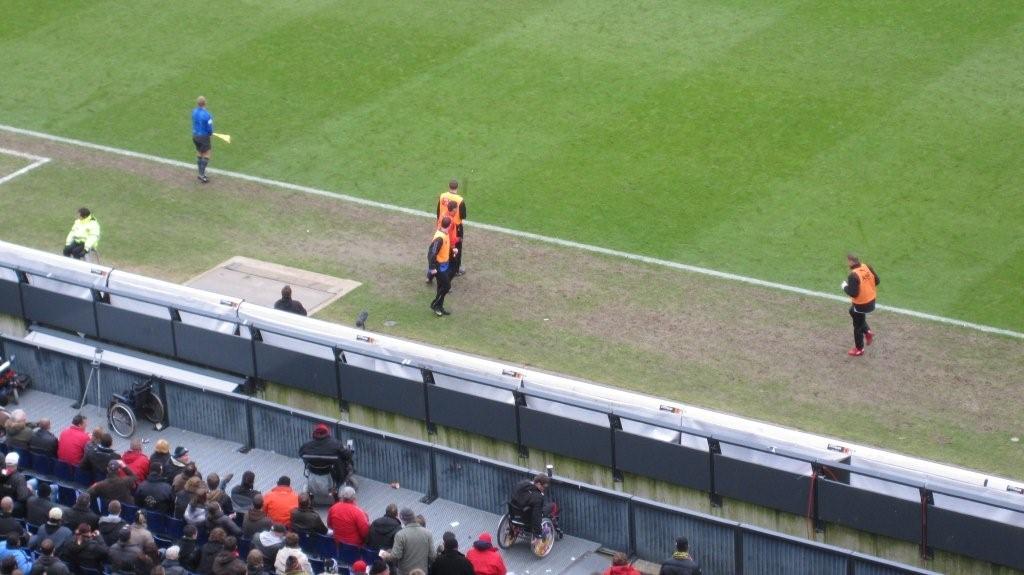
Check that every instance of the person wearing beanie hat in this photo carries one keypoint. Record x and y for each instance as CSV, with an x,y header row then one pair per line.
x,y
325,455
681,563
449,560
414,545
485,558
52,530
359,567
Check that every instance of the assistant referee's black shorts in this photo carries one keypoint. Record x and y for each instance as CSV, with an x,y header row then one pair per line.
x,y
202,143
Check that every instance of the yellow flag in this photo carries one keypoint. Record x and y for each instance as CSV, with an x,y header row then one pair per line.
x,y
224,137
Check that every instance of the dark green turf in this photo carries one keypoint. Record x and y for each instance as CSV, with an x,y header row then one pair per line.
x,y
759,138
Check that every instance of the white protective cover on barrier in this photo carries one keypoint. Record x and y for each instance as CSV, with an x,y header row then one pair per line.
x,y
55,272
223,309
8,274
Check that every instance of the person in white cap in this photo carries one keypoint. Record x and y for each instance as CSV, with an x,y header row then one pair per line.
x,y
54,530
13,484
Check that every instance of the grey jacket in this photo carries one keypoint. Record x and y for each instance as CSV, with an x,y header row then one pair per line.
x,y
413,549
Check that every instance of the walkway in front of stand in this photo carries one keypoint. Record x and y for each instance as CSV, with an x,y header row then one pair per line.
x,y
222,457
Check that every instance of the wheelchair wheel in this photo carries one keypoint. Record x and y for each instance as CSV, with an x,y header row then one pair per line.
x,y
546,543
153,408
506,532
121,419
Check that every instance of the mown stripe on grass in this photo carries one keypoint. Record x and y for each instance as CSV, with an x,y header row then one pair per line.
x,y
517,233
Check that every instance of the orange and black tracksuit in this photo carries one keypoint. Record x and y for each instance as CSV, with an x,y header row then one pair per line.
x,y
860,286
460,214
438,257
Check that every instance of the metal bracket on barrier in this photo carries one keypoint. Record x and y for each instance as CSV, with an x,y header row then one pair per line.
x,y
520,399
926,499
431,494
250,439
615,423
428,380
714,447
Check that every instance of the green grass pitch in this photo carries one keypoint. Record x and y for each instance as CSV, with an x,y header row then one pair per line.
x,y
761,138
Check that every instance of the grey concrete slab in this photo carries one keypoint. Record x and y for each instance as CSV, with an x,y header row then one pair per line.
x,y
222,457
260,282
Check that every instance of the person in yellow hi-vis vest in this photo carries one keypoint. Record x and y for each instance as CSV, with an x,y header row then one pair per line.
x,y
84,237
438,256
453,195
860,286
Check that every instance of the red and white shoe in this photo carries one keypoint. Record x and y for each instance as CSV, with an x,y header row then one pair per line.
x,y
869,336
855,352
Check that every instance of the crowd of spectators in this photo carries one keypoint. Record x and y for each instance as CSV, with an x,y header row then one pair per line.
x,y
217,518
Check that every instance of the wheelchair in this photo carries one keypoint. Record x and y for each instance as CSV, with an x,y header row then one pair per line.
x,y
320,483
515,525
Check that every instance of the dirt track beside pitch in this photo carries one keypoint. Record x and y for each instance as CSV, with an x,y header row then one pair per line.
x,y
938,391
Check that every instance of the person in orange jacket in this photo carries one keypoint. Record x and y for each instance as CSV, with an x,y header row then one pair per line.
x,y
279,501
485,558
620,566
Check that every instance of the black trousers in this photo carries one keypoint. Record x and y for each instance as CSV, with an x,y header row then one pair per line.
x,y
75,250
860,326
444,285
456,262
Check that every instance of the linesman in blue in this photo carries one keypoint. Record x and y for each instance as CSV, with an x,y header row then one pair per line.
x,y
202,129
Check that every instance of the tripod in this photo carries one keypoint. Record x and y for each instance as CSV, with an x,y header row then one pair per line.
x,y
94,373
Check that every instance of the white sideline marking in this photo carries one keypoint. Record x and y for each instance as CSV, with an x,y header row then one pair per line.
x,y
516,233
36,162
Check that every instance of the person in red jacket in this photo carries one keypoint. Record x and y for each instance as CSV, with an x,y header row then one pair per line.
x,y
136,460
621,566
485,557
350,523
71,443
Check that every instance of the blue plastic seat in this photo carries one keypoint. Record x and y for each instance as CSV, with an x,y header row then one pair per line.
x,y
129,512
24,458
156,521
175,527
64,472
370,555
83,477
162,542
349,554
43,464
66,495
317,565
244,545
324,546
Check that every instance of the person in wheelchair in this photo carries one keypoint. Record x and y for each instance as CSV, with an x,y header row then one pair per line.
x,y
325,455
529,504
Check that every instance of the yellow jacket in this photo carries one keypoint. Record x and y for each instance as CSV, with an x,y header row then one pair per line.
x,y
85,231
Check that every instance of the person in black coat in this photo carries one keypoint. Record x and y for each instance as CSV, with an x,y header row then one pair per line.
x,y
43,442
242,495
85,550
81,513
188,553
450,561
305,519
154,493
681,563
48,563
97,459
210,551
37,509
215,518
9,524
383,529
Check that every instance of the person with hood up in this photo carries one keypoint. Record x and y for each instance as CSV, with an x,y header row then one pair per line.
x,y
154,493
48,563
485,558
450,561
81,513
111,524
269,543
349,522
52,530
305,519
255,520
122,555
116,487
384,528
243,494
227,561
620,566
135,459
